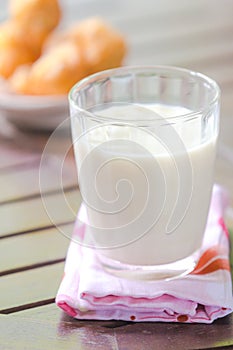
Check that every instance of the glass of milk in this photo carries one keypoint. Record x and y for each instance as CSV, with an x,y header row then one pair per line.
x,y
145,142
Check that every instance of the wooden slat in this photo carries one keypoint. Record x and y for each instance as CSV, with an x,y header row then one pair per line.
x,y
44,334
30,286
66,333
175,336
24,251
29,182
11,158
36,214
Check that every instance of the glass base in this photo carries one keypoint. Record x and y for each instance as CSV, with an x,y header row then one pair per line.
x,y
164,272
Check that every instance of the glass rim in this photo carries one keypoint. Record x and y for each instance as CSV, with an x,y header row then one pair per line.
x,y
144,69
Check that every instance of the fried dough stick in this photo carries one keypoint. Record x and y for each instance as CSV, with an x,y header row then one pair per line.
x,y
86,48
54,73
22,37
13,49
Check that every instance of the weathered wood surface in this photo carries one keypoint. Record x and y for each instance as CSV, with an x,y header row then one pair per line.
x,y
51,330
35,230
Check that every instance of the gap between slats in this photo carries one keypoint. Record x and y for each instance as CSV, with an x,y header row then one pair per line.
x,y
43,228
30,267
38,195
35,304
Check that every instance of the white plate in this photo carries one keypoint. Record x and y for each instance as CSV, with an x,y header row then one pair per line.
x,y
33,112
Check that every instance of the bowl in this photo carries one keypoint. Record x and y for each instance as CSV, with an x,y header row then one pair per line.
x,y
33,112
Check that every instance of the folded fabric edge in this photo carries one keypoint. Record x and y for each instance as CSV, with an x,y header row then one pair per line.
x,y
204,314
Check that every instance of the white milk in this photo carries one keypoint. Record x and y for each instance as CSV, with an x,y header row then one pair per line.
x,y
131,182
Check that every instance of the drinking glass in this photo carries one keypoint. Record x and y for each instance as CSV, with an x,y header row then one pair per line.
x,y
145,141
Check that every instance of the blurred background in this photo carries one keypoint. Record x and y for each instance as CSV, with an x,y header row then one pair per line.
x,y
194,34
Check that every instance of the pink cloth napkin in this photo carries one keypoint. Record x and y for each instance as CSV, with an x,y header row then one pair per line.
x,y
88,292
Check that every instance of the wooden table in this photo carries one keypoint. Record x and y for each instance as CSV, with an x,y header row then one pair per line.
x,y
196,35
